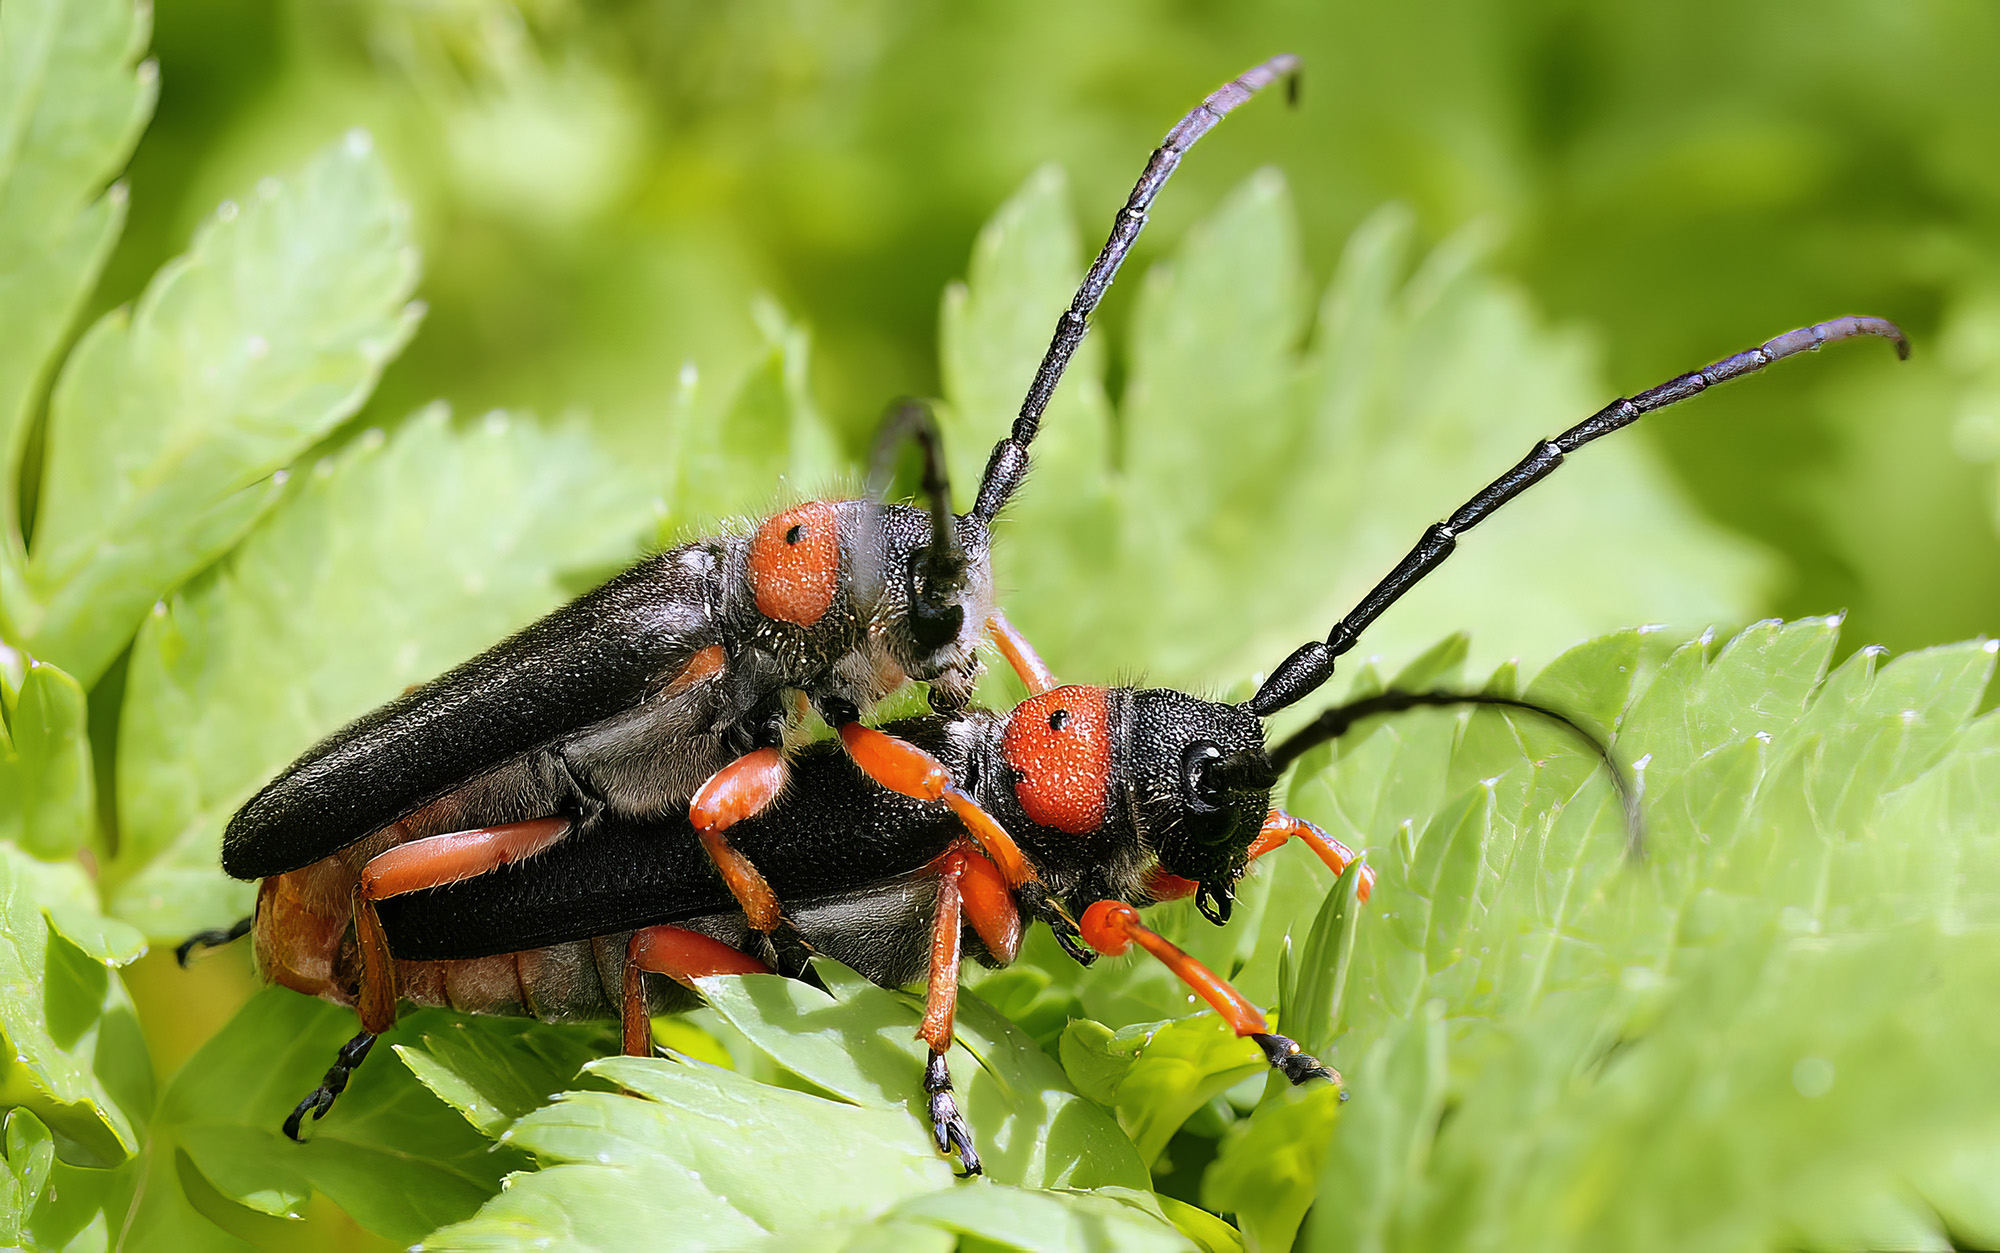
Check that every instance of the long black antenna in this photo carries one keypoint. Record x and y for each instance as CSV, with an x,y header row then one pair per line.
x,y
1008,465
1333,723
1304,671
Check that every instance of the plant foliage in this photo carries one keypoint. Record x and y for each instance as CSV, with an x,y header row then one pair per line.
x,y
1765,1025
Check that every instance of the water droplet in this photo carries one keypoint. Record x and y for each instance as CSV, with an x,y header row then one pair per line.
x,y
359,142
1812,1077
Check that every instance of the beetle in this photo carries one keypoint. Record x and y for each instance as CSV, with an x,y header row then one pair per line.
x,y
1124,797
682,680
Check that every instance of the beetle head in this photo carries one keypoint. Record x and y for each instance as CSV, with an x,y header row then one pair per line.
x,y
926,601
1203,785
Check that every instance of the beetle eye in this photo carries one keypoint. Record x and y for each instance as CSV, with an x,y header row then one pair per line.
x,y
1199,788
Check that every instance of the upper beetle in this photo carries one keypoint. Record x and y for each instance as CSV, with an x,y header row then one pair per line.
x,y
677,682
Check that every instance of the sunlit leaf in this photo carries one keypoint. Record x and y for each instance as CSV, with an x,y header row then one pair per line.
x,y
494,1071
171,418
73,98
397,1159
69,1031
715,1158
47,791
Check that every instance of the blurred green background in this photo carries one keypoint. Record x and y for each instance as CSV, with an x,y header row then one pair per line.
x,y
602,190
607,193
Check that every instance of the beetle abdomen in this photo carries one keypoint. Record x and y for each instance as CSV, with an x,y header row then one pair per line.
x,y
589,662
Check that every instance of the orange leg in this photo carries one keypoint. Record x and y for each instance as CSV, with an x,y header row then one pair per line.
x,y
904,768
948,1127
941,997
428,863
1280,826
456,856
1111,927
376,998
682,956
740,790
1020,654
989,904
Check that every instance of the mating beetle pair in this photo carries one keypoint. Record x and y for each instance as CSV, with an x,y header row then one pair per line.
x,y
630,753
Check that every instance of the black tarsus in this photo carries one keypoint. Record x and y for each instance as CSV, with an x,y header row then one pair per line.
x,y
1311,665
1286,1058
1335,722
1008,465
321,1098
214,937
1036,903
948,1127
935,614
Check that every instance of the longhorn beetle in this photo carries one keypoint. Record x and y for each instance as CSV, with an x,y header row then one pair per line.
x,y
576,743
677,682
1124,797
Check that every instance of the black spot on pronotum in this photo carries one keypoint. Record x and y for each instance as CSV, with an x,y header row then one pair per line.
x,y
1058,719
797,533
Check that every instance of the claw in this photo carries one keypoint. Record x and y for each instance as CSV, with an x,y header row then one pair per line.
x,y
317,1102
791,953
321,1098
1285,1057
1040,905
948,1127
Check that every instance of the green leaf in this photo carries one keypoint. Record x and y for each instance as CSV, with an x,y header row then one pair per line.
x,y
1376,1164
1109,1220
1651,1055
48,795
771,438
170,420
992,332
1267,1171
1097,1059
73,99
399,1161
70,1036
1313,1016
1209,1233
496,1071
386,565
31,1154
1182,1066
712,1157
860,1044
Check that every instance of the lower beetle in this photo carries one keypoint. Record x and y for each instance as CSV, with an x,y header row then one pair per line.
x,y
1122,797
